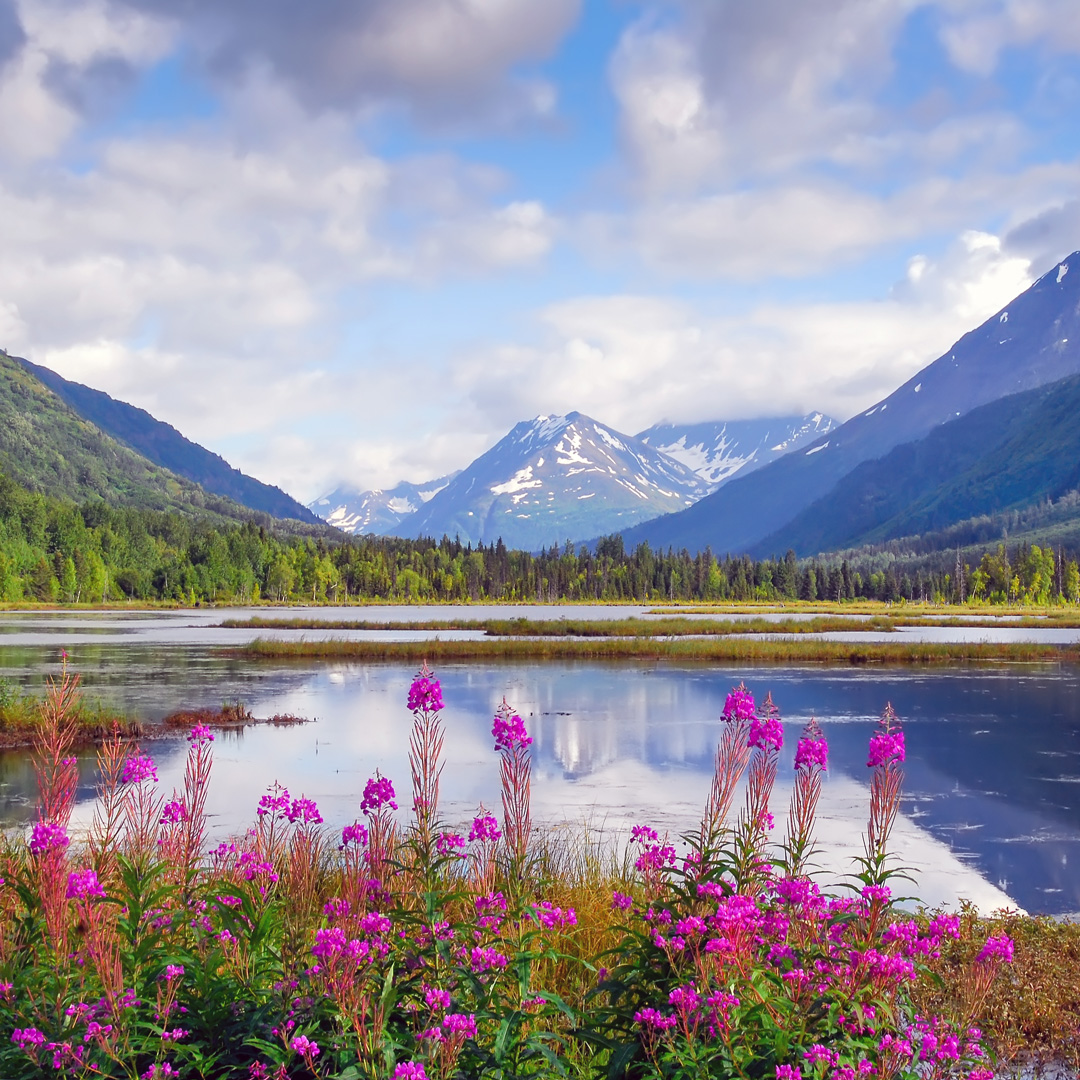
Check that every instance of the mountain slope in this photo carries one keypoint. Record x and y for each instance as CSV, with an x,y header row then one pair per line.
x,y
46,447
721,449
1015,452
379,512
165,446
1033,341
554,478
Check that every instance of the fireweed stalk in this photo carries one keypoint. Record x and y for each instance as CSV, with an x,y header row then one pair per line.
x,y
732,758
811,760
425,758
512,742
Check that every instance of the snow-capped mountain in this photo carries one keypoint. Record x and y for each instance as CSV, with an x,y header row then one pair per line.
x,y
1033,341
557,478
720,449
380,512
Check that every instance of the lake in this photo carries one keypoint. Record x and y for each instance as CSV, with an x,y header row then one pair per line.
x,y
992,795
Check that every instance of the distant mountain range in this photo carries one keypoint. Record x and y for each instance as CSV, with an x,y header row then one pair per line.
x,y
560,477
718,450
1032,342
379,512
165,446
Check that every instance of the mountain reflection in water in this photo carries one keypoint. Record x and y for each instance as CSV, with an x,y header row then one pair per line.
x,y
992,797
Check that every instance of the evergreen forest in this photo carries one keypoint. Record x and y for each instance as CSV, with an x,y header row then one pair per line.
x,y
52,550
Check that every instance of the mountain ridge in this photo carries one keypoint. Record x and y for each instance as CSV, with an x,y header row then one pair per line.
x,y
1032,341
162,444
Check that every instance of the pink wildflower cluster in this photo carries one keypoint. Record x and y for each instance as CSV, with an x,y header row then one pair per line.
x,y
999,948
200,735
425,695
355,834
550,916
766,732
811,751
83,885
509,733
450,845
137,769
46,836
885,746
378,792
484,828
172,813
739,705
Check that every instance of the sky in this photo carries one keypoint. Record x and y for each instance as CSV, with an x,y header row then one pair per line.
x,y
355,241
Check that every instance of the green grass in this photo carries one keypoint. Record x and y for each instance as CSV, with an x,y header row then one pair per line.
x,y
785,650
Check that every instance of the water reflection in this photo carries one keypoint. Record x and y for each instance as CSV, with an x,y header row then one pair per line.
x,y
990,808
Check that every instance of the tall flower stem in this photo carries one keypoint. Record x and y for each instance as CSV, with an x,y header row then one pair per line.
x,y
886,755
425,759
515,772
811,760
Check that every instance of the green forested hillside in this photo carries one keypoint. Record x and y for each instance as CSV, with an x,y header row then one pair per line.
x,y
47,447
166,447
1013,454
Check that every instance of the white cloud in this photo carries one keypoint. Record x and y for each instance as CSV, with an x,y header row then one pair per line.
x,y
980,31
445,59
633,360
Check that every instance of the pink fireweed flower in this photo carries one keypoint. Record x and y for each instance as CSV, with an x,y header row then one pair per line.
x,y
450,845
425,695
813,749
509,732
550,916
484,827
26,1037
739,705
172,813
378,792
885,746
354,834
83,885
655,857
200,735
997,947
46,836
485,959
137,769
642,834
766,732
275,803
409,1070
301,1044
463,1024
436,998
788,1072
621,902
655,1020
881,893
305,811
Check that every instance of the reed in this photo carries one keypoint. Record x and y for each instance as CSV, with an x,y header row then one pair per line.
x,y
784,650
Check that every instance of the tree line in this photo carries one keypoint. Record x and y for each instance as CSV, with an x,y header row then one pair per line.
x,y
53,550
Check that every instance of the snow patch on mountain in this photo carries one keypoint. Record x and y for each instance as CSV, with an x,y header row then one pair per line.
x,y
380,512
719,450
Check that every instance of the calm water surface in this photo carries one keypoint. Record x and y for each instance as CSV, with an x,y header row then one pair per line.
x,y
992,797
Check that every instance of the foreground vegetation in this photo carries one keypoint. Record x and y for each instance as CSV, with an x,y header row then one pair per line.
x,y
54,551
419,951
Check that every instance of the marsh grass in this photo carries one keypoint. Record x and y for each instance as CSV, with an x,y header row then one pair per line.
x,y
770,650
